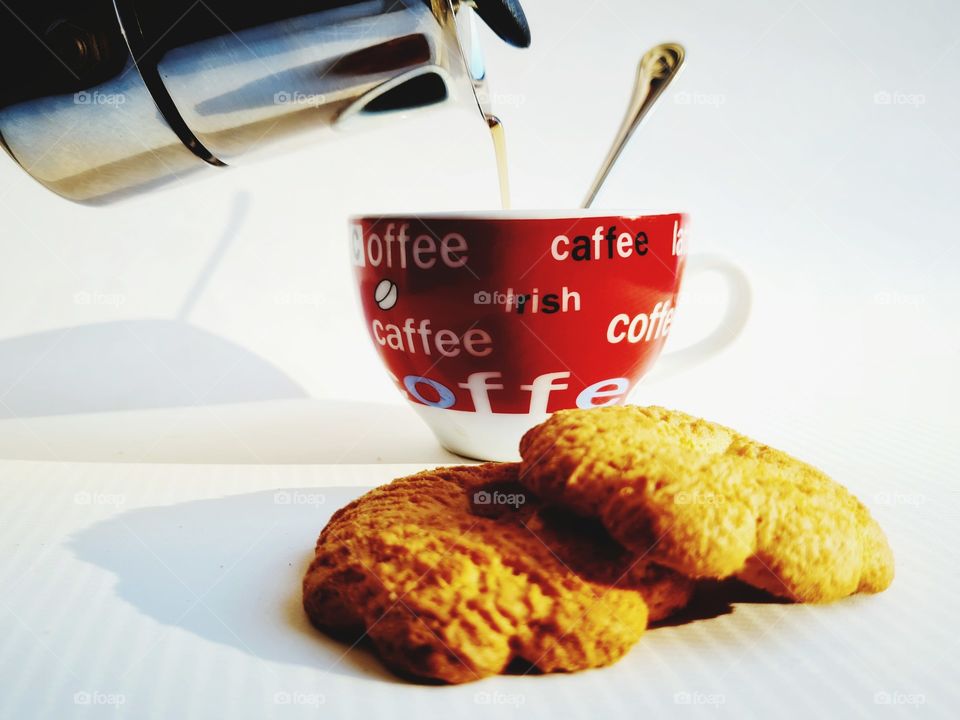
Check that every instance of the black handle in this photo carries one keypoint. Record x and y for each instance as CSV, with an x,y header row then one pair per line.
x,y
506,19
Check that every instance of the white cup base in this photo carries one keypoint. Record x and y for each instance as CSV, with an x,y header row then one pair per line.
x,y
479,436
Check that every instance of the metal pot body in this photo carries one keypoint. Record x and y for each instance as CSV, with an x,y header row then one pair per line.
x,y
115,97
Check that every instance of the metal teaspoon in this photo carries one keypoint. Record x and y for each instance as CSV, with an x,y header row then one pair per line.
x,y
658,67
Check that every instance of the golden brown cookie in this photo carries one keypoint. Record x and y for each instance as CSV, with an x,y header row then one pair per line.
x,y
708,502
455,573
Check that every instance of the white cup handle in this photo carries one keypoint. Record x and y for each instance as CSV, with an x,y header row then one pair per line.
x,y
733,323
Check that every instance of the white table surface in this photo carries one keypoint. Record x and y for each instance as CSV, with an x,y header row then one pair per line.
x,y
158,591
196,347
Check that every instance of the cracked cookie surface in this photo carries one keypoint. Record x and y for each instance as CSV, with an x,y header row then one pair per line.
x,y
456,573
708,502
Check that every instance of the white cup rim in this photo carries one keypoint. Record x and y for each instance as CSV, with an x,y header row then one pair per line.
x,y
497,215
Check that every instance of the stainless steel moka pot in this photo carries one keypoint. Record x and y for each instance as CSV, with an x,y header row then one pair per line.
x,y
101,99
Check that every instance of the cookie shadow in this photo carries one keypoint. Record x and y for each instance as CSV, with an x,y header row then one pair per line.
x,y
713,599
229,570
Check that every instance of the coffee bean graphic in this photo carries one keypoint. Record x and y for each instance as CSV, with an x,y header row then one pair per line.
x,y
386,294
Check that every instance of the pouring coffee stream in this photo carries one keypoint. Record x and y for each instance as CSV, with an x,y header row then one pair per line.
x,y
499,137
658,67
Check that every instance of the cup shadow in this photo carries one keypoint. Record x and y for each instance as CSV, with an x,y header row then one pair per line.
x,y
228,570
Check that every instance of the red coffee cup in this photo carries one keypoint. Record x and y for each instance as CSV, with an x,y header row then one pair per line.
x,y
490,322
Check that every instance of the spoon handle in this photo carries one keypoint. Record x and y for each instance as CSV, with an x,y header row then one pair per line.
x,y
657,68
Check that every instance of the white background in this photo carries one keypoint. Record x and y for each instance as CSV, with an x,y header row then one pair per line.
x,y
840,209
224,328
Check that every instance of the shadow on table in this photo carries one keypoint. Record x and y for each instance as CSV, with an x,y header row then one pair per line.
x,y
229,571
132,365
64,387
298,431
138,363
713,599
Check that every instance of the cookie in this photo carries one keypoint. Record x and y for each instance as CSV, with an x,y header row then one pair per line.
x,y
708,502
458,573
